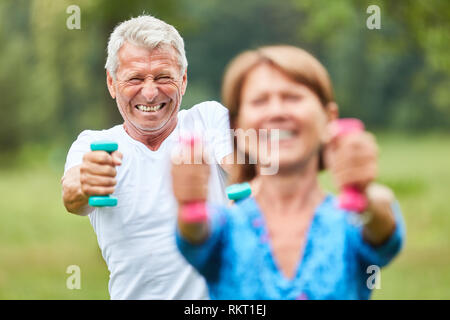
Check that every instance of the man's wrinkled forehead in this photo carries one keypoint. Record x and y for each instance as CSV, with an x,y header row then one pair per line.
x,y
134,55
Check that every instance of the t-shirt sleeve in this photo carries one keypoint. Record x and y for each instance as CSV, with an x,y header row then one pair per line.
x,y
76,152
383,254
219,127
206,257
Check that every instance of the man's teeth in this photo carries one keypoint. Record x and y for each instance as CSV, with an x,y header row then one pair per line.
x,y
149,109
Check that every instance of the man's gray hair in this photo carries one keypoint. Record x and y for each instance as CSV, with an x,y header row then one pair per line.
x,y
145,31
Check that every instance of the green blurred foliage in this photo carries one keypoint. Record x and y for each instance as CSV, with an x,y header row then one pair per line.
x,y
52,79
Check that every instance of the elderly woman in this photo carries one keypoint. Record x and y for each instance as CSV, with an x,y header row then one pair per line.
x,y
290,239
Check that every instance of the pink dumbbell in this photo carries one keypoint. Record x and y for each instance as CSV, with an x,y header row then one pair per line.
x,y
351,198
194,211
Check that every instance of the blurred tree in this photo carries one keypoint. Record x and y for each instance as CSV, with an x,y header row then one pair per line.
x,y
14,58
392,77
426,24
225,28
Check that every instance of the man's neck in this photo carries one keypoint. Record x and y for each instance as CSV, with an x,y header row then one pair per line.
x,y
152,140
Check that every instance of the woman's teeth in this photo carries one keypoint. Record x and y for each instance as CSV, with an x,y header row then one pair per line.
x,y
149,109
283,134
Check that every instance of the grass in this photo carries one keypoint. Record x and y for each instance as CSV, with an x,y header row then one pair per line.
x,y
39,240
417,168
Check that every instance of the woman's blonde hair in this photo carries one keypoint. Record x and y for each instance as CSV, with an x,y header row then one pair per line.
x,y
296,63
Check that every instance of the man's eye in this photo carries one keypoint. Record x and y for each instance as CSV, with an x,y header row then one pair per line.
x,y
163,78
135,80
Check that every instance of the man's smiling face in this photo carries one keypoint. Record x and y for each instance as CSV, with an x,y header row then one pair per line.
x,y
148,87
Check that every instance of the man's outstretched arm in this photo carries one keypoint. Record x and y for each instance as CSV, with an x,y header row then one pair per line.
x,y
94,176
74,198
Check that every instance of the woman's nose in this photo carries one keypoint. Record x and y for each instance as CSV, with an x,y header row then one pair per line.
x,y
275,105
276,109
149,90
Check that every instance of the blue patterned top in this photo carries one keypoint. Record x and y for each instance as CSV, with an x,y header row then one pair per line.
x,y
237,261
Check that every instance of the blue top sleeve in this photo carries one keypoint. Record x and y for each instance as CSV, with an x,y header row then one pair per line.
x,y
206,256
379,255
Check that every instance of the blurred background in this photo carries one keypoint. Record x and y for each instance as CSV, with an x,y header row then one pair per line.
x,y
52,86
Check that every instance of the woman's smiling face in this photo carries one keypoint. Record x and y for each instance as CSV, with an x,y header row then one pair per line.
x,y
148,87
272,100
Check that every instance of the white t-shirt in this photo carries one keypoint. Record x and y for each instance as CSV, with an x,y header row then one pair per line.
x,y
137,237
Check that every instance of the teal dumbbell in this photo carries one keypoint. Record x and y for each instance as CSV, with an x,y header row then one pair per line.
x,y
239,191
103,201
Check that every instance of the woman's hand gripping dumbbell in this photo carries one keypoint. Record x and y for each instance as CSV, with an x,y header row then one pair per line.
x,y
190,175
351,157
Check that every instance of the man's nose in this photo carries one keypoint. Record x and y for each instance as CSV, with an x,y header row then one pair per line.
x,y
149,90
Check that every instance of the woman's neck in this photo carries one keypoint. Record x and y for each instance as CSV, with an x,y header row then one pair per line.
x,y
294,191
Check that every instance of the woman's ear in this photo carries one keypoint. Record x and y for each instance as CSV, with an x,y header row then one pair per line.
x,y
233,122
332,111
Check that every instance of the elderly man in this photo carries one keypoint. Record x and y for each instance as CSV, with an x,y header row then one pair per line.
x,y
146,72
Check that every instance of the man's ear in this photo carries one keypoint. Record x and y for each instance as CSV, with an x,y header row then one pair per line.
x,y
332,111
184,83
110,84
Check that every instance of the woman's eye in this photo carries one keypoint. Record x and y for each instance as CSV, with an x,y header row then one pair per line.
x,y
259,101
292,97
